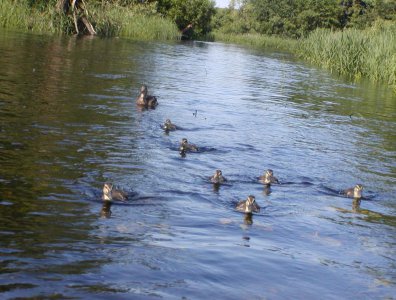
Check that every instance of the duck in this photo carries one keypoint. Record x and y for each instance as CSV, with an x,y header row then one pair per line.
x,y
354,192
146,100
110,193
169,126
218,177
248,206
268,178
185,146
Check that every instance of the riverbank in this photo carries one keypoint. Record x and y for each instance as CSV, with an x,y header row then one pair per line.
x,y
369,53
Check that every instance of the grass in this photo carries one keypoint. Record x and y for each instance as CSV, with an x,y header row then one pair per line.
x,y
108,20
257,40
118,21
367,53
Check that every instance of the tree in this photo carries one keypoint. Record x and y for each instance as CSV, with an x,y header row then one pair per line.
x,y
195,12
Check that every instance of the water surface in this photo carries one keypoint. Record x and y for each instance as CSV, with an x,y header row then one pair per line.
x,y
68,123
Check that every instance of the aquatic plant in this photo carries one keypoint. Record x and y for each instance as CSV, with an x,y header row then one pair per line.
x,y
360,53
13,16
140,22
369,53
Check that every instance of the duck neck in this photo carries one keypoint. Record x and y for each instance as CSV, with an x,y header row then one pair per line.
x,y
142,98
107,197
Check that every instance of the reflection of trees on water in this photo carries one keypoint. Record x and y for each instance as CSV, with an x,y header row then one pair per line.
x,y
368,215
57,121
54,136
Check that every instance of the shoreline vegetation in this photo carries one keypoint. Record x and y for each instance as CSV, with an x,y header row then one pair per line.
x,y
369,53
357,51
109,20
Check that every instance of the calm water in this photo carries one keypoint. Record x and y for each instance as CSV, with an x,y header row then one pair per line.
x,y
68,123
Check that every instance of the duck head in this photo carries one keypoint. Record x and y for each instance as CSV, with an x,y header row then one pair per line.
x,y
168,125
268,175
250,200
357,191
184,142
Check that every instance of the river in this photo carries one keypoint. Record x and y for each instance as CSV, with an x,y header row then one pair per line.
x,y
69,123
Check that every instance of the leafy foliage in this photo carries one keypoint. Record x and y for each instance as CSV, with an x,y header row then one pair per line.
x,y
195,12
297,18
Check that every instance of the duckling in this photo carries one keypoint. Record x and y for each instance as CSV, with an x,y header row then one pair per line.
x,y
355,192
268,177
248,206
110,193
146,100
169,126
185,146
218,177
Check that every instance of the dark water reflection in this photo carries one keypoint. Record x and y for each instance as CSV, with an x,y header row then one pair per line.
x,y
68,123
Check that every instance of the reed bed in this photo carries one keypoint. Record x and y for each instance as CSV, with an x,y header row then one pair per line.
x,y
257,40
14,15
367,53
121,21
108,20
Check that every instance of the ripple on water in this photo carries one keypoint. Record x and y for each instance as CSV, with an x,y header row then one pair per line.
x,y
66,132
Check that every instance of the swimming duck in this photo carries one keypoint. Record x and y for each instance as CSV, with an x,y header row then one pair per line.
x,y
355,192
146,100
218,177
169,126
268,177
110,193
248,206
185,146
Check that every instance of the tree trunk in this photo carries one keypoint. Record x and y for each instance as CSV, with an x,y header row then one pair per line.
x,y
77,10
88,25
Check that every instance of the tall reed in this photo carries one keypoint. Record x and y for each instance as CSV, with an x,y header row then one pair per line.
x,y
360,53
108,20
129,22
13,15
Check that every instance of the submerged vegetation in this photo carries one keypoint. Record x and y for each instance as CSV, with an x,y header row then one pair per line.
x,y
352,37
